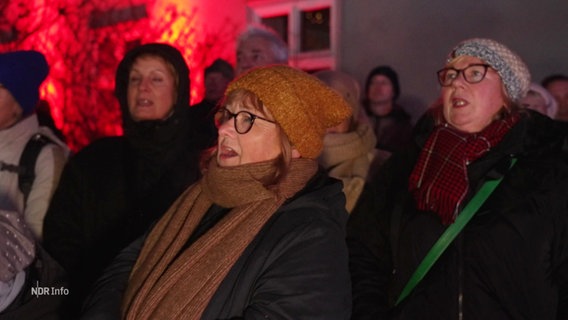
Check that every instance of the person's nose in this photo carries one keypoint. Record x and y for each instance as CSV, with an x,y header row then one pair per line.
x,y
459,80
227,128
144,84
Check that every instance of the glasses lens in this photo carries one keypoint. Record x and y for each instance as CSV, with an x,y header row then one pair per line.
x,y
221,116
475,73
446,76
243,122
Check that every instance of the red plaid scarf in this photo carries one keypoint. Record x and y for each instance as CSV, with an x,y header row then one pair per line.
x,y
439,181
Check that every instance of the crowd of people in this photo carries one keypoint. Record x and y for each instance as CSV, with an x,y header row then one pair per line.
x,y
289,195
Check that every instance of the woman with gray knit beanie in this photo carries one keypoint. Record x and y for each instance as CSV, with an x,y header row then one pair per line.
x,y
471,222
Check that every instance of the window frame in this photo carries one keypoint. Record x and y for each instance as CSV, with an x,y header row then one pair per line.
x,y
312,60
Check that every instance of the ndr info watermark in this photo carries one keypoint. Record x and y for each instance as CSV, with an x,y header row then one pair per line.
x,y
49,291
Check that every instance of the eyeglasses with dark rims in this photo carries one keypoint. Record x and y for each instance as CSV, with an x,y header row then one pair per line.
x,y
243,120
473,73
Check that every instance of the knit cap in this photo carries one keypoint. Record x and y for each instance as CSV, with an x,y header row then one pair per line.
x,y
301,104
21,73
513,71
388,72
223,67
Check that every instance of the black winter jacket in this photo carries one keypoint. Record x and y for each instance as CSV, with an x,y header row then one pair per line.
x,y
509,262
295,268
111,191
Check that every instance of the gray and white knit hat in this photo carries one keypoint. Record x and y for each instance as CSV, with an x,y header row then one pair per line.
x,y
513,71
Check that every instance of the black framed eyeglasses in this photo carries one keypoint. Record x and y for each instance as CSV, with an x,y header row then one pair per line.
x,y
473,73
243,120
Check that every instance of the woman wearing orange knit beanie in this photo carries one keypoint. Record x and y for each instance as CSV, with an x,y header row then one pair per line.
x,y
261,235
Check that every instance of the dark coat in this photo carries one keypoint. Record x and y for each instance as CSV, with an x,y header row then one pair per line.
x,y
112,190
202,118
393,131
509,262
295,268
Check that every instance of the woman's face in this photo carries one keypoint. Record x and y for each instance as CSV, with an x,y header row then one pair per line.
x,y
261,143
470,107
151,89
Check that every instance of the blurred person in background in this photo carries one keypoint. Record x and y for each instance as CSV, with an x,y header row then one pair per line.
x,y
540,100
557,85
259,45
32,157
217,77
349,150
391,123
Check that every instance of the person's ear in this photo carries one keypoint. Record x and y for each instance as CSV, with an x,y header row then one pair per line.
x,y
295,153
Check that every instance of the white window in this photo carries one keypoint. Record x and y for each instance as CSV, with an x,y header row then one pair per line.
x,y
310,27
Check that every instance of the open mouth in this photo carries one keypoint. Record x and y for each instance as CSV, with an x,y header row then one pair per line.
x,y
458,103
227,152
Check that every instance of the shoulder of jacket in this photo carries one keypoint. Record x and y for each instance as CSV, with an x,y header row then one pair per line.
x,y
323,203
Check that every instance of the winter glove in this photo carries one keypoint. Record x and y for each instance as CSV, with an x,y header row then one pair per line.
x,y
17,245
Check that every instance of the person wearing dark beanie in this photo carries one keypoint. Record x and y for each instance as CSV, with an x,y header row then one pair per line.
x,y
216,78
21,74
391,123
31,161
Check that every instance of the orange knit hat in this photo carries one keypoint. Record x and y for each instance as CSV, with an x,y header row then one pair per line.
x,y
301,104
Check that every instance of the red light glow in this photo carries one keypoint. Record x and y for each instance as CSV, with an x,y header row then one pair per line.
x,y
83,42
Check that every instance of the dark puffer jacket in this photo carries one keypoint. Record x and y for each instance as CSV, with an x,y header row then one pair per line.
x,y
113,189
509,262
295,268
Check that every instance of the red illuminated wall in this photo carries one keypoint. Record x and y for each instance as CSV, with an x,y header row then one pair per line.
x,y
84,40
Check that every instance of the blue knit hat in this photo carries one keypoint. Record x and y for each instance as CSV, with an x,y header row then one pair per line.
x,y
22,72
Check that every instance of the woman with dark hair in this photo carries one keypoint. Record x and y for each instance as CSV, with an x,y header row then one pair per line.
x,y
507,258
112,190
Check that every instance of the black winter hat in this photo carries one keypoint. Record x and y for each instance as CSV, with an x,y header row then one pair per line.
x,y
223,67
388,72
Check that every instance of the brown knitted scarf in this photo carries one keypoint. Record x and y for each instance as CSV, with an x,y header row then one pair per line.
x,y
168,282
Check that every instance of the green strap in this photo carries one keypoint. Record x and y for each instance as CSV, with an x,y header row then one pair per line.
x,y
450,234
